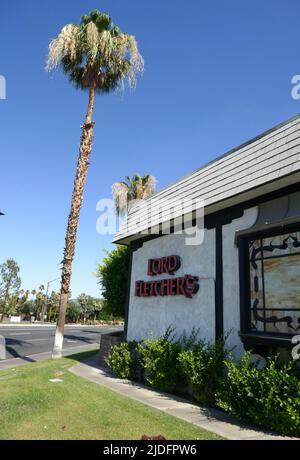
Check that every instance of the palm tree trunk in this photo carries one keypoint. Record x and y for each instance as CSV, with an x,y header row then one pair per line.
x,y
79,182
50,314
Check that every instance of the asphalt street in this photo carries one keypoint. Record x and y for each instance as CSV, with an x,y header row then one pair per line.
x,y
28,340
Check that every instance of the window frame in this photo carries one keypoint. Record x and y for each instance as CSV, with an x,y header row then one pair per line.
x,y
258,337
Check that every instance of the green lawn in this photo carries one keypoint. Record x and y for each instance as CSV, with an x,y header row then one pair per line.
x,y
31,407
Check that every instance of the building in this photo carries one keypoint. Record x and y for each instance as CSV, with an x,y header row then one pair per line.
x,y
244,277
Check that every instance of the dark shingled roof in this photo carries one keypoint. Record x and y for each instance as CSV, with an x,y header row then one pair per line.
x,y
261,165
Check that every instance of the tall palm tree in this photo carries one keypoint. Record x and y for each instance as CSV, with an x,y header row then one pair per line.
x,y
133,188
97,56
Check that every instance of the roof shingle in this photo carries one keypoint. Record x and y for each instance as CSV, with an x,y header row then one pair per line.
x,y
269,157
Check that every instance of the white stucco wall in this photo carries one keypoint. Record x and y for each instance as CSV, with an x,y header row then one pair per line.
x,y
153,315
231,289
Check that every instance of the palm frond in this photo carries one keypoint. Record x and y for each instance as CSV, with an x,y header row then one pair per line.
x,y
149,186
139,189
127,48
120,192
105,46
92,41
68,43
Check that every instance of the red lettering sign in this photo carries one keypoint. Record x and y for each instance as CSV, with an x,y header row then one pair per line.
x,y
163,265
186,285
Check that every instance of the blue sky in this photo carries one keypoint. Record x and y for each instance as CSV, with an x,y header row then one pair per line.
x,y
216,74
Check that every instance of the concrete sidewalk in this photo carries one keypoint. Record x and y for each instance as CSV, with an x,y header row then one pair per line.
x,y
209,419
22,360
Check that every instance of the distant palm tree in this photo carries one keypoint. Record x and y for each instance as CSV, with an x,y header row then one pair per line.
x,y
133,188
97,56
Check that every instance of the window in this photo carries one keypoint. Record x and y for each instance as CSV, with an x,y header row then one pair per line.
x,y
272,272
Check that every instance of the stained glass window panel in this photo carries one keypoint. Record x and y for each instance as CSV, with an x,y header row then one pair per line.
x,y
275,284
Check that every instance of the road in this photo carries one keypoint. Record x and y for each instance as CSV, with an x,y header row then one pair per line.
x,y
29,340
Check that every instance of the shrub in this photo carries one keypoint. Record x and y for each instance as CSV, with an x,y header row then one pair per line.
x,y
203,368
124,360
120,360
269,397
159,358
112,275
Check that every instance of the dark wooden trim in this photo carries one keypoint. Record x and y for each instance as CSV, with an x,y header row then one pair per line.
x,y
280,229
263,339
137,244
128,293
227,215
219,323
223,217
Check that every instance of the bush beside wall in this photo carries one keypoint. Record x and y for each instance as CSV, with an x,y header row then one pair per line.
x,y
268,397
159,359
203,369
120,360
124,361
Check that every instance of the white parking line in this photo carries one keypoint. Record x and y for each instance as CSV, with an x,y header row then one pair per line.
x,y
38,340
21,333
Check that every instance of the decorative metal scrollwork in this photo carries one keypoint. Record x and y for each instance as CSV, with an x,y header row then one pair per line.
x,y
257,253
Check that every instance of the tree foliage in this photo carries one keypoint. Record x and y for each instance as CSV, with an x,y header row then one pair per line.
x,y
96,53
127,192
84,307
15,302
10,282
112,274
